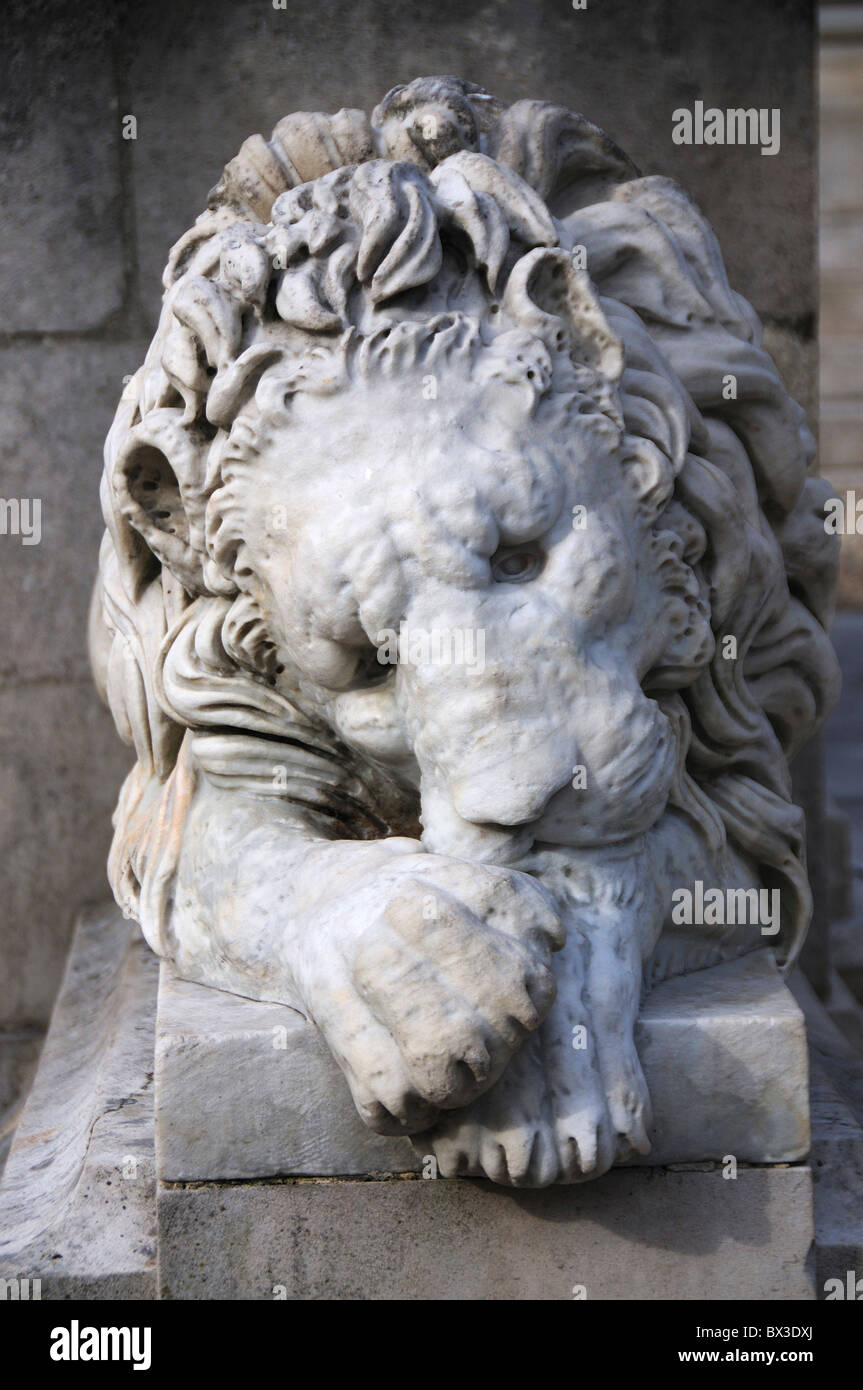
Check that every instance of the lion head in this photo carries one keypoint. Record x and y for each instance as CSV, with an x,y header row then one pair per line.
x,y
458,367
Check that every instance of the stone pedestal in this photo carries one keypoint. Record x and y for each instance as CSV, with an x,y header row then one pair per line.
x,y
263,1183
248,1090
634,1234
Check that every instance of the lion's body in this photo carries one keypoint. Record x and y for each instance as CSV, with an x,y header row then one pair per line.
x,y
392,401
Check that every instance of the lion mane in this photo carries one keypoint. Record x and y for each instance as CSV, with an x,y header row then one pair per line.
x,y
310,268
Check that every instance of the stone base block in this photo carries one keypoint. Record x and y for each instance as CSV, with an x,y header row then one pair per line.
x,y
248,1090
634,1234
80,1208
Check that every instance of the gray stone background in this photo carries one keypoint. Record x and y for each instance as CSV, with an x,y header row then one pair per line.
x,y
88,217
841,265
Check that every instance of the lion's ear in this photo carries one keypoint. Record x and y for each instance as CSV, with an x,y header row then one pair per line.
x,y
548,289
158,479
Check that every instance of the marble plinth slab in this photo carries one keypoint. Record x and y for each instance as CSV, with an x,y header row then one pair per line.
x,y
249,1090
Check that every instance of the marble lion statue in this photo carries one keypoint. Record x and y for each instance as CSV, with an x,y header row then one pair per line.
x,y
457,370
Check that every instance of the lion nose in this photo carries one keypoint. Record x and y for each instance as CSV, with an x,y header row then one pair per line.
x,y
505,795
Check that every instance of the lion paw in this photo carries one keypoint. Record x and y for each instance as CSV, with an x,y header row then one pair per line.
x,y
628,1102
529,1130
570,1104
427,981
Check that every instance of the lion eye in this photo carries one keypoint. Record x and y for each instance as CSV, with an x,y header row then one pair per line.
x,y
515,566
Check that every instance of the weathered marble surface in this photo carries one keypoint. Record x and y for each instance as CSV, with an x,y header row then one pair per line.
x,y
249,1090
455,368
77,1196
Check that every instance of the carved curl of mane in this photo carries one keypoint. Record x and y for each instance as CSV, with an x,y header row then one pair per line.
x,y
309,267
